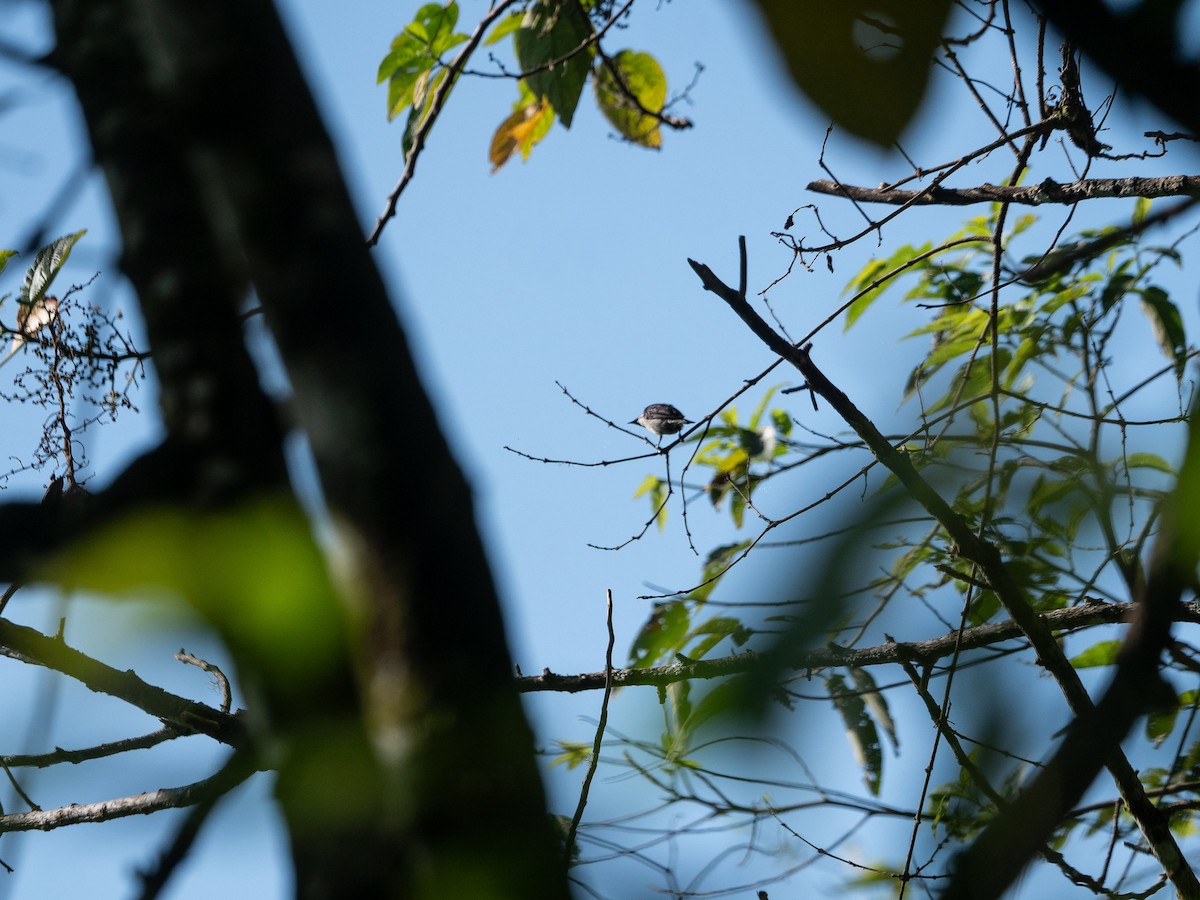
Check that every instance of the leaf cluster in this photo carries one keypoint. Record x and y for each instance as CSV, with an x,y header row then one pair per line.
x,y
556,45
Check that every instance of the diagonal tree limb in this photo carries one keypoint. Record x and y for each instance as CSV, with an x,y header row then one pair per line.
x,y
182,715
1043,810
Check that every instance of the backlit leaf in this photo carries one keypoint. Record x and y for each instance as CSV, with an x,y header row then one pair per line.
x,y
415,51
46,265
628,86
1102,654
519,132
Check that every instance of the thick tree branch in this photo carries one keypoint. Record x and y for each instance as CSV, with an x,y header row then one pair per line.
x,y
920,652
1048,191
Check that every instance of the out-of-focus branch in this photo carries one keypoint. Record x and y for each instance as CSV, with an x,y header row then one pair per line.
x,y
118,808
99,751
183,715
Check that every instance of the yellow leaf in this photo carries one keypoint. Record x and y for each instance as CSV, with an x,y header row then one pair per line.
x,y
520,131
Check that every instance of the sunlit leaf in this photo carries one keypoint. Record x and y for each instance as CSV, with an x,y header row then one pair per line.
x,y
503,28
424,92
1141,209
46,265
628,87
519,132
782,422
573,753
1149,461
715,630
656,489
415,51
1103,653
871,273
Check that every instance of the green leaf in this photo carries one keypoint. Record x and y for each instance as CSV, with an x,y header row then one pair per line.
x,y
252,569
756,416
1029,348
415,51
662,635
1118,286
876,703
46,265
715,566
737,508
627,84
573,754
1148,461
713,632
504,28
1168,327
549,41
1160,723
728,696
782,422
424,91
5,256
657,490
1102,654
865,68
871,273
860,730
1141,209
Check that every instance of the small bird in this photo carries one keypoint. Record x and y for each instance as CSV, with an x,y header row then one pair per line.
x,y
660,419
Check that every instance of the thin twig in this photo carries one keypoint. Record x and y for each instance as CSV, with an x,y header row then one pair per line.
x,y
594,763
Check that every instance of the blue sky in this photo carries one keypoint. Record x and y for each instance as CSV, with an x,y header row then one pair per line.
x,y
568,268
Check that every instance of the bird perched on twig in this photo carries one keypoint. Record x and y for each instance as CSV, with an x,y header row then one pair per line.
x,y
660,419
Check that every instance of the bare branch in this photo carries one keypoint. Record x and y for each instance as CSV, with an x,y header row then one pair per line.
x,y
924,652
186,716
1048,191
100,751
119,808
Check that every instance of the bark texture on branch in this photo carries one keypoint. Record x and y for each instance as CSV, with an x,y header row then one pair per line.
x,y
1048,191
